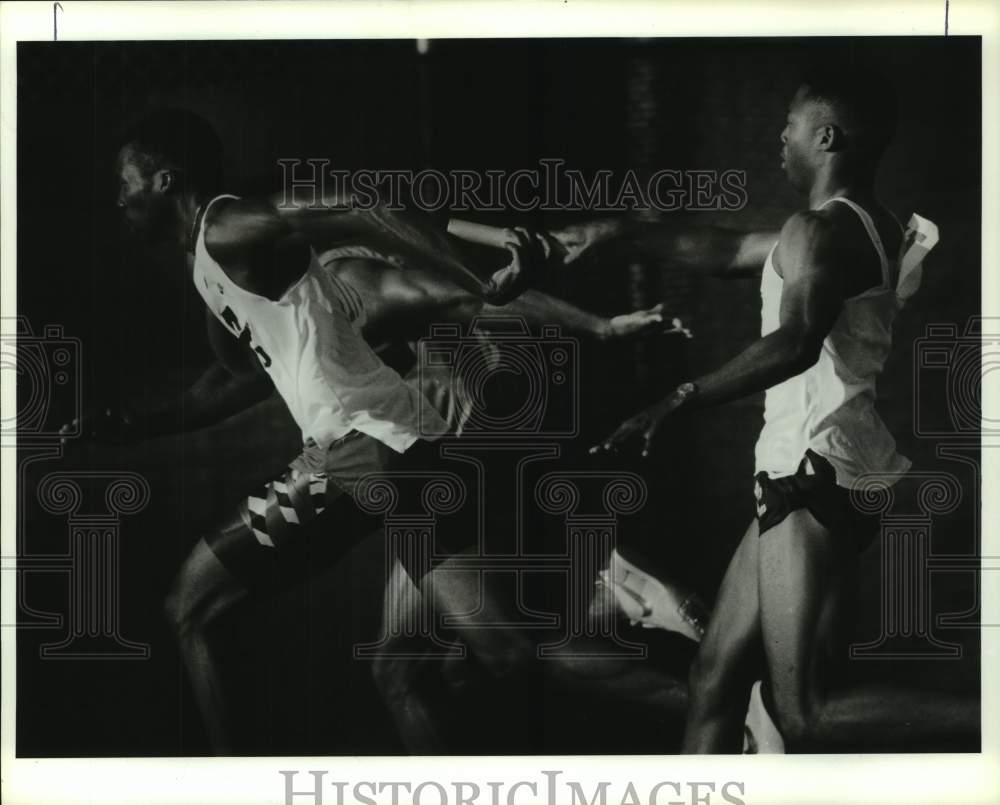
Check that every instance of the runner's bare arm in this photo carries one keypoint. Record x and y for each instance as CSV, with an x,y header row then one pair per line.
x,y
255,227
539,308
403,300
713,249
811,300
233,383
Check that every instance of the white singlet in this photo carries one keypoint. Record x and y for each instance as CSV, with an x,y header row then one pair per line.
x,y
329,377
443,387
830,408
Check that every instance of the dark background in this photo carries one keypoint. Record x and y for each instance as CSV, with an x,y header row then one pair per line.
x,y
684,104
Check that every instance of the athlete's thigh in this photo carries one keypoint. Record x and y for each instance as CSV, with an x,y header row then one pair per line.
x,y
300,522
806,572
203,588
403,606
731,645
469,601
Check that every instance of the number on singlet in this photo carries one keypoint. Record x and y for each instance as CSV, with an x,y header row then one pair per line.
x,y
244,335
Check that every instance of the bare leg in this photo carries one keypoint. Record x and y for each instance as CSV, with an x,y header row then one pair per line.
x,y
640,682
404,681
505,652
804,570
203,591
728,658
398,678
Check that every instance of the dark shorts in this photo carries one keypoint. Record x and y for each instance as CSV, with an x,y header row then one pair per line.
x,y
813,487
307,517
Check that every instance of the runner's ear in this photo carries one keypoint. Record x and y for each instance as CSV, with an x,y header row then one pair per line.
x,y
165,180
829,137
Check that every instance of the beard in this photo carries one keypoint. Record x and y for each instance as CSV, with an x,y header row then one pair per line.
x,y
798,171
151,221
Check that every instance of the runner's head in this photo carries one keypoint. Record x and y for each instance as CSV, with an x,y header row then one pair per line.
x,y
840,117
169,156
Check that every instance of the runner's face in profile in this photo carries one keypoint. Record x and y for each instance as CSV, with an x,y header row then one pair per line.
x,y
797,142
145,209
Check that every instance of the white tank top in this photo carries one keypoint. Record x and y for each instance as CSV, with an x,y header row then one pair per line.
x,y
329,377
830,408
444,386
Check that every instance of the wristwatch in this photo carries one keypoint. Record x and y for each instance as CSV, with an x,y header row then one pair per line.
x,y
688,389
683,393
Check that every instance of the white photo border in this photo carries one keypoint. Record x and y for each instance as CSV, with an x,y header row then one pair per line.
x,y
965,778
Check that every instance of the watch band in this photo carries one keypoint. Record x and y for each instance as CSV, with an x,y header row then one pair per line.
x,y
686,390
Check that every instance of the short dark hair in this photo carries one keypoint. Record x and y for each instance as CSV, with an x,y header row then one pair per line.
x,y
180,140
862,98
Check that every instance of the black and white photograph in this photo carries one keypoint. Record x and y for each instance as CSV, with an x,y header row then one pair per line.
x,y
577,397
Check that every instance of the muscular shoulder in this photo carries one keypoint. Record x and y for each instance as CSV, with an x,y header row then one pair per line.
x,y
837,238
809,241
255,246
235,228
